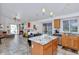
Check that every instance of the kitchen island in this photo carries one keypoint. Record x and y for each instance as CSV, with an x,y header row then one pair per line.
x,y
44,45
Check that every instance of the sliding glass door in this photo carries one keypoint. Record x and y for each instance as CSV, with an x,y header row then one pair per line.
x,y
47,28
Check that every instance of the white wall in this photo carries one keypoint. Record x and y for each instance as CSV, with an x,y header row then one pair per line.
x,y
5,21
39,24
64,17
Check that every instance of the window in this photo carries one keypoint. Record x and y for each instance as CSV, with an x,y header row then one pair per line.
x,y
66,26
73,26
70,25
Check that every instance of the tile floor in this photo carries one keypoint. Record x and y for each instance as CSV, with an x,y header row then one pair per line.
x,y
62,51
19,46
15,46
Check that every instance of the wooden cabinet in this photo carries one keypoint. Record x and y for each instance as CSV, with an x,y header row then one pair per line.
x,y
75,43
70,41
47,49
64,40
57,23
54,46
37,49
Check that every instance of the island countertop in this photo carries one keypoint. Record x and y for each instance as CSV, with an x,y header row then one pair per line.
x,y
42,40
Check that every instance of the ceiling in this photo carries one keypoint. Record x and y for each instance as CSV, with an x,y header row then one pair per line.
x,y
33,11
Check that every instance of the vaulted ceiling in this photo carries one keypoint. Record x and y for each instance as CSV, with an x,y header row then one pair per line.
x,y
33,11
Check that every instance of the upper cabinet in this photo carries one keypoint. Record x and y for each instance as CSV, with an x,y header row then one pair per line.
x,y
56,23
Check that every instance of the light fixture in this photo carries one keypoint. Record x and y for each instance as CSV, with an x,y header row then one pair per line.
x,y
43,10
45,14
17,17
1,26
51,13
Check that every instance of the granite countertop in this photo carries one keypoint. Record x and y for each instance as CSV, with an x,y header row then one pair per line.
x,y
42,40
73,34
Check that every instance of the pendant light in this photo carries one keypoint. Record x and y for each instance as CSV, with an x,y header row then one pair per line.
x,y
51,13
43,10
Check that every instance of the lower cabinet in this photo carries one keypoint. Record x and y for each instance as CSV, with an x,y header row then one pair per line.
x,y
70,41
47,49
76,44
54,47
64,40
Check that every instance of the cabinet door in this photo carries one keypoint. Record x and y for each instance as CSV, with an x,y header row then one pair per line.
x,y
57,23
76,43
47,49
37,49
70,41
64,40
54,46
73,42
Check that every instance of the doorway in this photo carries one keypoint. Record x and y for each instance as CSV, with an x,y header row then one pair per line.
x,y
13,29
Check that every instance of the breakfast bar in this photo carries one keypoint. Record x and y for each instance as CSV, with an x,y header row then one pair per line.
x,y
44,45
